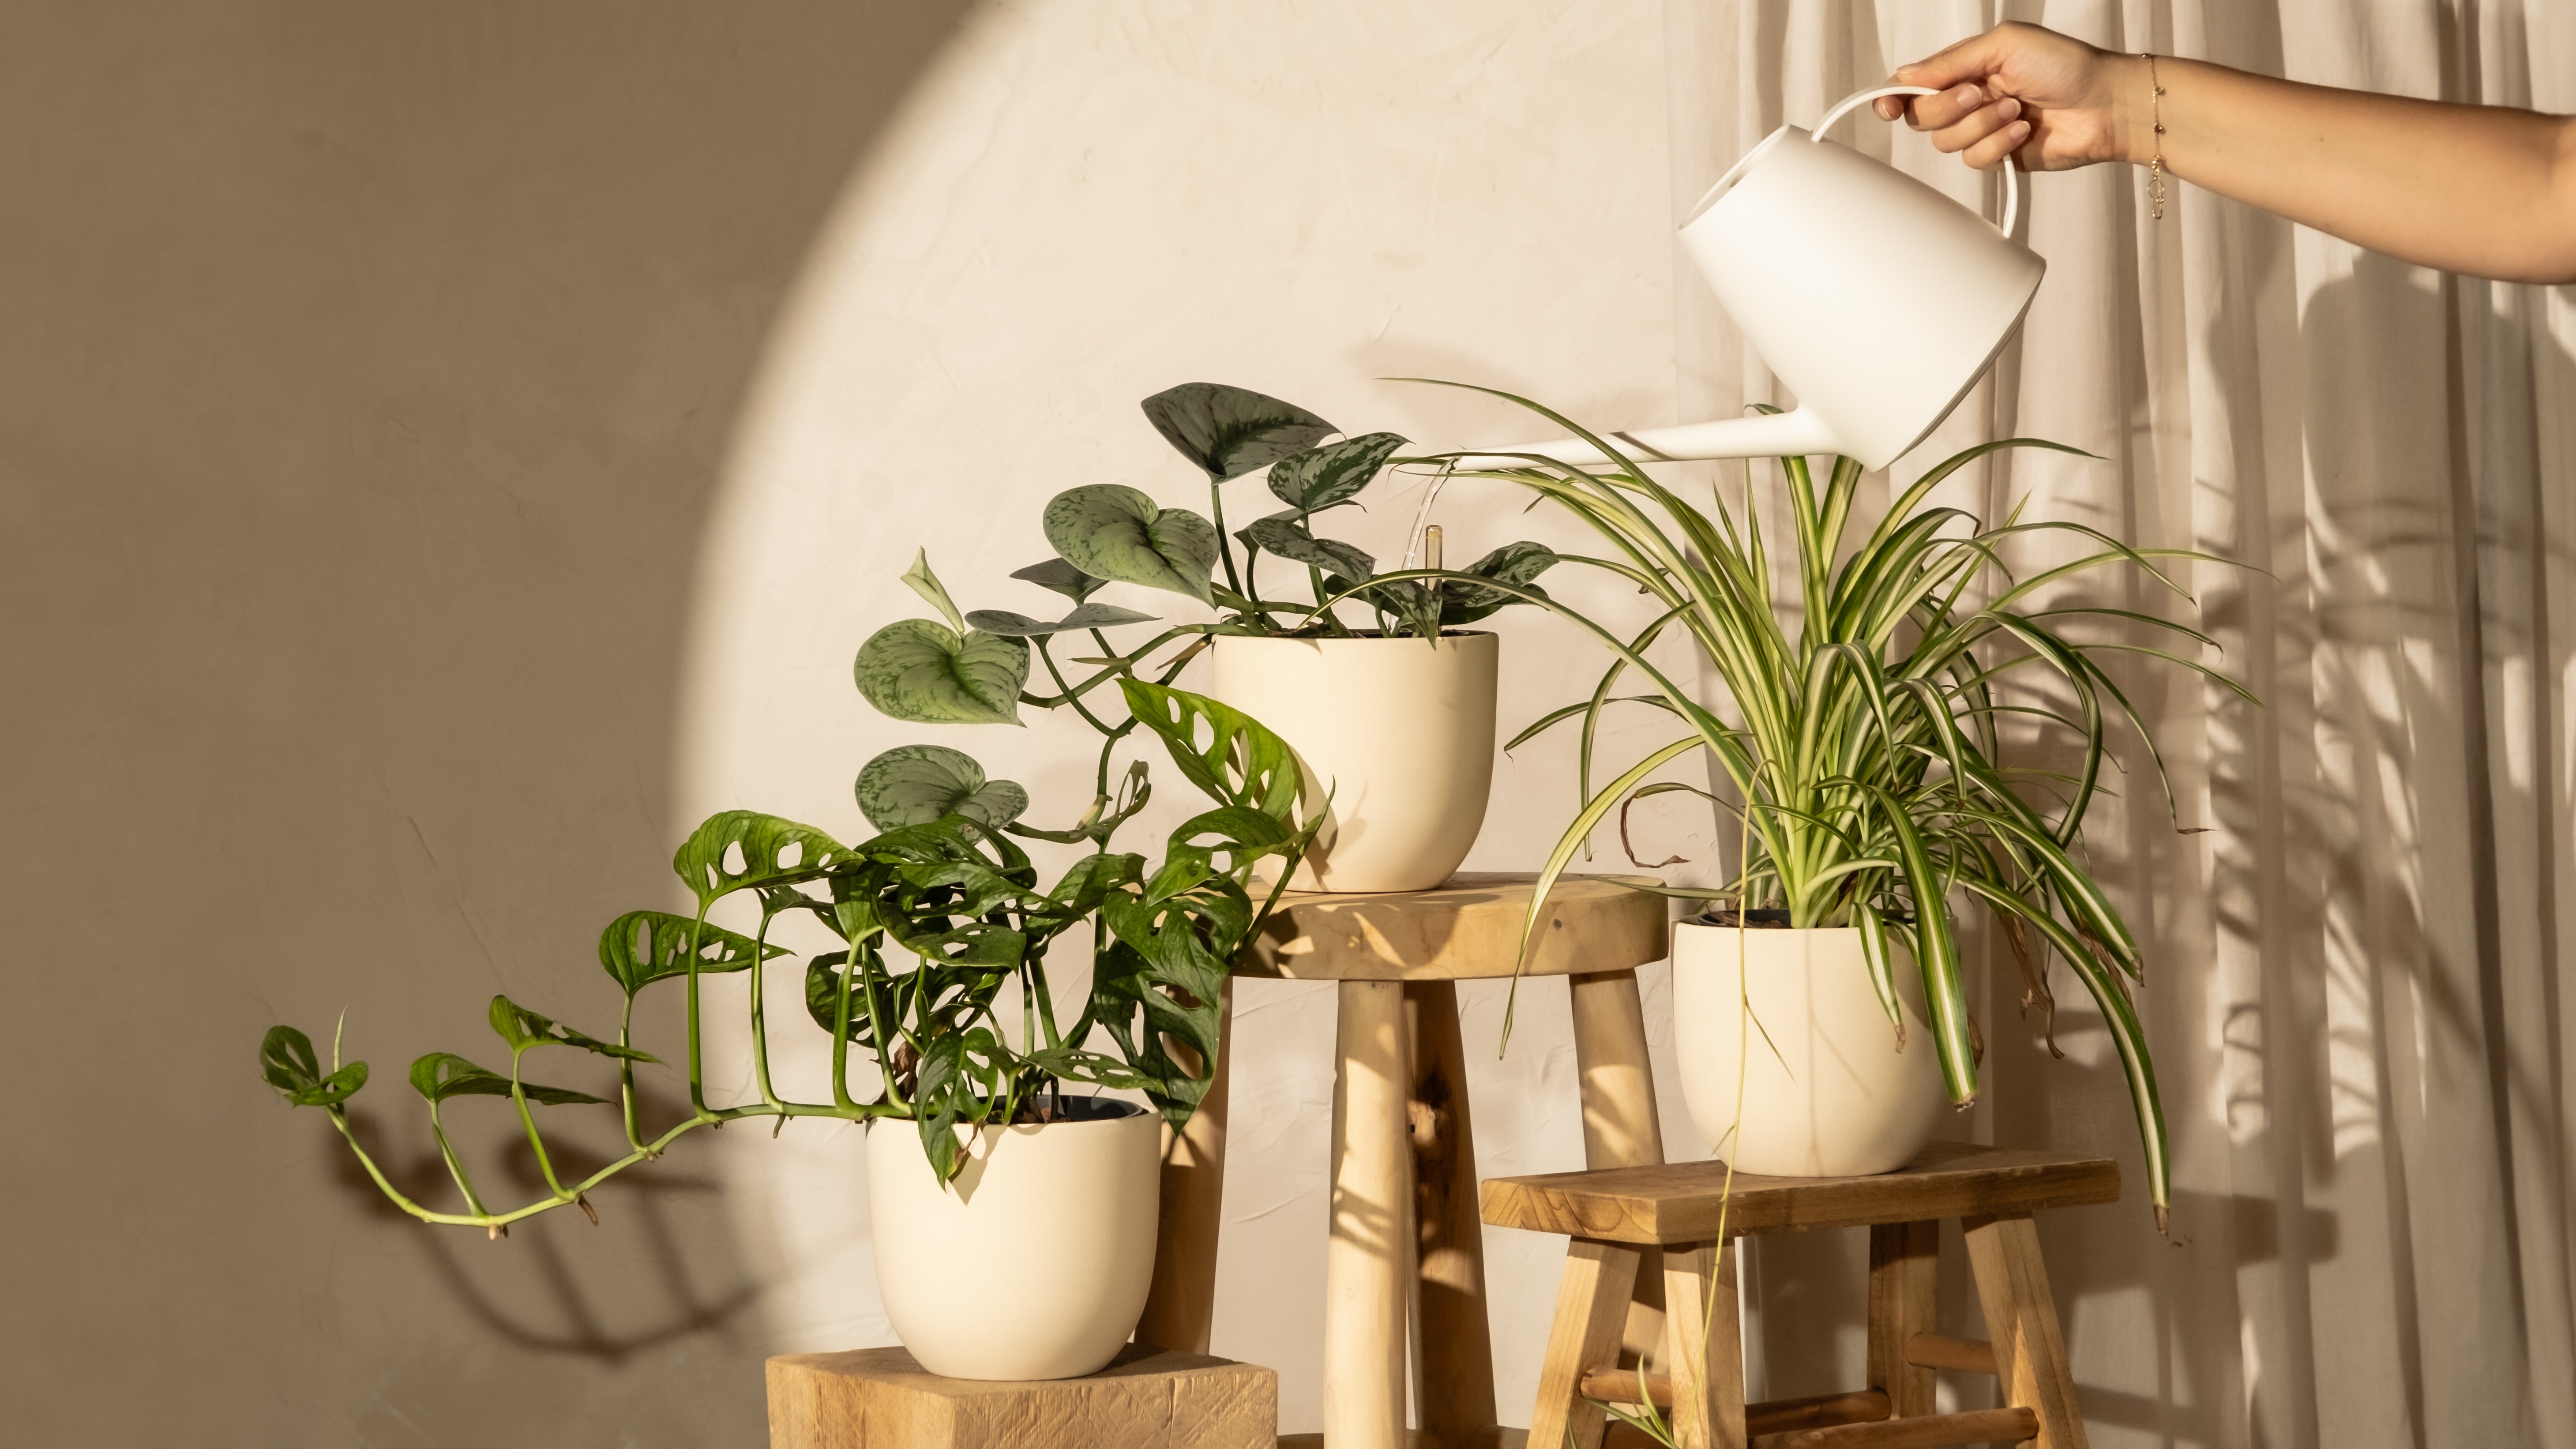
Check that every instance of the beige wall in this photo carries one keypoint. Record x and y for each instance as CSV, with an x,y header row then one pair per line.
x,y
365,376
444,451
1088,201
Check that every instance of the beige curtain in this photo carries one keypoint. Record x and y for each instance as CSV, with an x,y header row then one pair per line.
x,y
2356,1004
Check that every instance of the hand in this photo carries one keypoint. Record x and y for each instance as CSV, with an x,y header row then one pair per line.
x,y
2049,101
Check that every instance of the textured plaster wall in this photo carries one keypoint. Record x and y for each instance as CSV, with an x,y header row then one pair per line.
x,y
444,450
1082,204
365,376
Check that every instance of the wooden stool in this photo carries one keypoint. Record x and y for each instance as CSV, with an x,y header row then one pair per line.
x,y
1148,1398
1404,1224
1615,1217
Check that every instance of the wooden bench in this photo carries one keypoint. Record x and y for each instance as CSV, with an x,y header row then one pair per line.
x,y
1692,1212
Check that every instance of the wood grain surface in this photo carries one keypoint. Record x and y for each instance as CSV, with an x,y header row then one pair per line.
x,y
1682,1202
1466,929
1148,1398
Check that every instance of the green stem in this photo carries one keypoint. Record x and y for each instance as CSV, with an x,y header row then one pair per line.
x,y
697,1073
1068,696
625,1078
759,1017
455,1168
841,1031
528,1119
1224,544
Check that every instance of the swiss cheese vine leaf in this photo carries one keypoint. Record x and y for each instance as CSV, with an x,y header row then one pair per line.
x,y
1241,762
642,947
441,1075
744,849
286,1059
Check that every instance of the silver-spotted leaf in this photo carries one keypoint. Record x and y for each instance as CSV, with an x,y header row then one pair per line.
x,y
1087,616
1513,563
1327,477
916,784
1112,531
1285,538
1063,578
1229,431
923,671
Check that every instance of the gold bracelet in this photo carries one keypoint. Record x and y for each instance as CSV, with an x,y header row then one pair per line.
x,y
2156,163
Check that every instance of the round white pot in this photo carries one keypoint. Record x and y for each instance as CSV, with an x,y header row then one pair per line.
x,y
1401,731
1033,1263
1825,1091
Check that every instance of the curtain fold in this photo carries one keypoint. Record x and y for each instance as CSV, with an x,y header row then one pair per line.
x,y
2355,994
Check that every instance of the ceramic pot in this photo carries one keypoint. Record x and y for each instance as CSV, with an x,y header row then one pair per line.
x,y
1400,730
1825,1091
1033,1263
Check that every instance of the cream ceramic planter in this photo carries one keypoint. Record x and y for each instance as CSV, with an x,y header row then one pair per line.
x,y
1034,1262
1400,730
1825,1092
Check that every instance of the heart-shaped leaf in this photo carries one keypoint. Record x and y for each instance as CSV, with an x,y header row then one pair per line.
x,y
1328,477
642,947
1086,616
1513,563
1112,531
1285,538
1229,431
916,784
1063,578
286,1060
441,1075
925,672
744,849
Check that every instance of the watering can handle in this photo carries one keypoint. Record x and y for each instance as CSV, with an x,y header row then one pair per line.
x,y
1844,107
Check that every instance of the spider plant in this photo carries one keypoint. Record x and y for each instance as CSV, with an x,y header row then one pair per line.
x,y
1864,756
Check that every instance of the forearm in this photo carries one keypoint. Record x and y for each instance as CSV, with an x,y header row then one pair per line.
x,y
2476,189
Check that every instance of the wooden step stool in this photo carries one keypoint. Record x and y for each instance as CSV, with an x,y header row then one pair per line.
x,y
1689,1211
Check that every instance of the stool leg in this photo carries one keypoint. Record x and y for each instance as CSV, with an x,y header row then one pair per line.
x,y
2021,1318
1366,1259
1591,1307
1620,1124
1181,1305
1903,1259
1706,1349
1454,1363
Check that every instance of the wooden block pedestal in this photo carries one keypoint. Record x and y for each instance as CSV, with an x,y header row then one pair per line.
x,y
1148,1398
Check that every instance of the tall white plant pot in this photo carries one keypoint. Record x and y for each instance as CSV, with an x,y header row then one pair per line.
x,y
1400,730
1034,1262
1825,1092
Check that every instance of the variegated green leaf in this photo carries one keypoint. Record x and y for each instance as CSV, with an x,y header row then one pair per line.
x,y
1229,431
1112,531
916,784
925,672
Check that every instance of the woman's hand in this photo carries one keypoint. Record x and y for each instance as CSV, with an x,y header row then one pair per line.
x,y
2049,101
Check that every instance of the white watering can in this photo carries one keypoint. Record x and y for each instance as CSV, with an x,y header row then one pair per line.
x,y
1878,300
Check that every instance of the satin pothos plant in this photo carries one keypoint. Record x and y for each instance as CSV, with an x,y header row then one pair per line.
x,y
938,915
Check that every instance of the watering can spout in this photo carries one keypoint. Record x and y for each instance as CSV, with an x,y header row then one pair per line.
x,y
1876,300
1769,435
